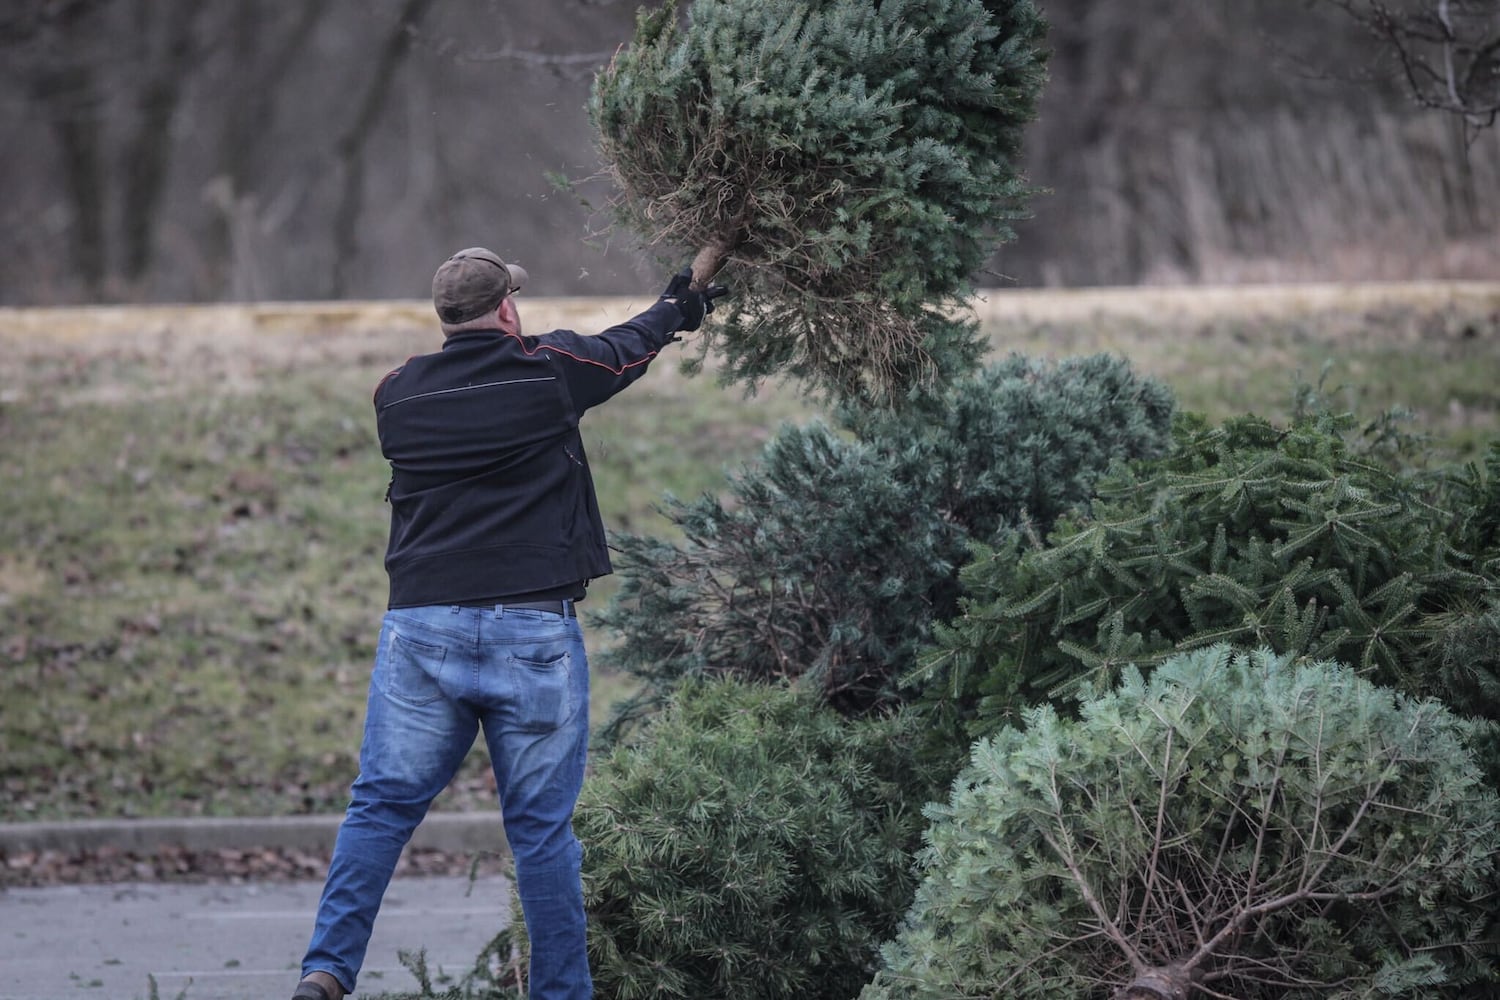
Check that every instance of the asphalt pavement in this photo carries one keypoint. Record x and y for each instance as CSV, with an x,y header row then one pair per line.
x,y
226,942
240,941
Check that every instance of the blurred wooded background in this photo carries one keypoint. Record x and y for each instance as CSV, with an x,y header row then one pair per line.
x,y
244,150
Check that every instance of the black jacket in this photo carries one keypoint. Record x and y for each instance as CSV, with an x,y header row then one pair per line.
x,y
490,488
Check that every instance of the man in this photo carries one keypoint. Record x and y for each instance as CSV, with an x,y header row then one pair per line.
x,y
495,533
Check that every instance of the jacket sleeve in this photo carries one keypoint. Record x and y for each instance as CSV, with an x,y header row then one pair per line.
x,y
596,367
380,386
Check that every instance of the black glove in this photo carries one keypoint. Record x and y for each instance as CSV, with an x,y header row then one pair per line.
x,y
691,302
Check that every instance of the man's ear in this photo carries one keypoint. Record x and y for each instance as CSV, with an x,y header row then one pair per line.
x,y
509,318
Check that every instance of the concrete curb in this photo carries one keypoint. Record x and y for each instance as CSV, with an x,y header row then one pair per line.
x,y
454,832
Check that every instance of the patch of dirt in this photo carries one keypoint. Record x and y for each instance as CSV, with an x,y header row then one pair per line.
x,y
176,864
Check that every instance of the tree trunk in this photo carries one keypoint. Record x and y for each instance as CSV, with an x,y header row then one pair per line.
x,y
259,66
77,130
67,88
148,156
351,144
708,261
1168,982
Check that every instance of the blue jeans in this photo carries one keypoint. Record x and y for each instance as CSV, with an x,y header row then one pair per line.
x,y
442,673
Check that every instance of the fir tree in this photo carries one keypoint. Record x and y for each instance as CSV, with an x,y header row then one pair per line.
x,y
855,162
750,844
1246,533
830,559
1236,826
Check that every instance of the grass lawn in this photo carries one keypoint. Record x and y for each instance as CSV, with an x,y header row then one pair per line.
x,y
192,525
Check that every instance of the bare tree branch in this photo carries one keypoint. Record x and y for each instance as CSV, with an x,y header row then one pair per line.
x,y
550,60
1448,52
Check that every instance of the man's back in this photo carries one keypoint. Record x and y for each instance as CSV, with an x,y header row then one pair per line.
x,y
490,491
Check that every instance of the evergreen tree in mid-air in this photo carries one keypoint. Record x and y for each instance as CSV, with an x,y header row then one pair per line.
x,y
854,162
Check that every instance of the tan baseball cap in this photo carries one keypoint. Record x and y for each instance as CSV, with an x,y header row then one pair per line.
x,y
473,282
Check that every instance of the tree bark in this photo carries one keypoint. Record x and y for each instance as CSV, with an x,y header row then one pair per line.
x,y
257,69
67,87
711,258
148,156
1164,983
707,263
351,144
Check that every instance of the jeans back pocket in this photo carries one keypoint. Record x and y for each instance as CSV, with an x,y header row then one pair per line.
x,y
543,679
413,670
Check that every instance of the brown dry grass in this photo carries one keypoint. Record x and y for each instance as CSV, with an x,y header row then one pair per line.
x,y
226,336
191,525
1431,346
